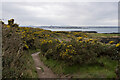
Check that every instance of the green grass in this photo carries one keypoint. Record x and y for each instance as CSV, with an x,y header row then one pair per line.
x,y
83,71
30,72
33,51
97,71
94,35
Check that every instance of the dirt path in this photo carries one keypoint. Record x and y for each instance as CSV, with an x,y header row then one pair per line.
x,y
42,70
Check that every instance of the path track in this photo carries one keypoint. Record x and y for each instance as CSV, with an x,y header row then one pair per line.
x,y
42,70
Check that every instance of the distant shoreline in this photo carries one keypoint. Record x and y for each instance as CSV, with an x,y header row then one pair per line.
x,y
87,29
94,32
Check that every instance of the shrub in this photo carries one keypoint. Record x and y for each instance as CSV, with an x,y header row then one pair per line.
x,y
74,52
16,63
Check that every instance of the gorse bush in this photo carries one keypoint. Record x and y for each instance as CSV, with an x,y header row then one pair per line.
x,y
16,62
81,50
75,52
47,44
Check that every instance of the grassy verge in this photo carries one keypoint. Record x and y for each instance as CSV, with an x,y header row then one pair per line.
x,y
30,71
95,35
107,70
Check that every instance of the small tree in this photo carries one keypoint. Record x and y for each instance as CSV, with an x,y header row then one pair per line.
x,y
11,22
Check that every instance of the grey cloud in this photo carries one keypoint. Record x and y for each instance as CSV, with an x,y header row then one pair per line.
x,y
61,13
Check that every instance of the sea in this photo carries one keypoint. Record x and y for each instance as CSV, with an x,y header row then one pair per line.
x,y
98,30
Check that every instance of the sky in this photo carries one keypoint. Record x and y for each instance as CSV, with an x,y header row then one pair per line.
x,y
61,13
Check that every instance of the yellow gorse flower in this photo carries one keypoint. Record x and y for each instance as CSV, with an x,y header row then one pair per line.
x,y
79,38
8,26
80,41
64,44
24,41
85,35
111,42
61,41
50,41
68,35
69,46
118,44
26,46
45,41
90,39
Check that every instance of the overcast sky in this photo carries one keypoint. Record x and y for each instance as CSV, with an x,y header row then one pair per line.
x,y
61,13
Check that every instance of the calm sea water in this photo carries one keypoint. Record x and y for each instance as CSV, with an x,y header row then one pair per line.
x,y
99,30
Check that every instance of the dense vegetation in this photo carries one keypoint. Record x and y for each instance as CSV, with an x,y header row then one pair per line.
x,y
63,52
17,63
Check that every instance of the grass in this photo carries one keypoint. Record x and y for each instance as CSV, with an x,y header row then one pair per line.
x,y
97,71
31,70
33,51
94,35
83,71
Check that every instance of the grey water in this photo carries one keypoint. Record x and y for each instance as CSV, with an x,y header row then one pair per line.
x,y
98,30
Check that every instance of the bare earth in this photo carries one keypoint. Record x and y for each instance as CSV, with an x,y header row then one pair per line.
x,y
42,70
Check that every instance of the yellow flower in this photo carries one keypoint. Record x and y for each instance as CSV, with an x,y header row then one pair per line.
x,y
85,35
93,41
24,41
26,46
8,26
68,46
87,41
79,38
90,39
28,36
111,42
61,41
64,44
50,41
67,49
68,35
55,39
80,41
118,44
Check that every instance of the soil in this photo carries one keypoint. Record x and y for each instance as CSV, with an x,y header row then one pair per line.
x,y
42,70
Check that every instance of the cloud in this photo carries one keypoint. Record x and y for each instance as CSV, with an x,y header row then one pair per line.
x,y
61,13
60,0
